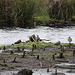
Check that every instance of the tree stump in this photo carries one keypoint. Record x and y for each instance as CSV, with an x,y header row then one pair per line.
x,y
18,48
4,48
22,49
61,55
24,53
14,59
11,52
48,70
53,57
73,52
37,56
25,72
62,48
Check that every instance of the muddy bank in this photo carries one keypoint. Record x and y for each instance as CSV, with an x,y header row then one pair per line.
x,y
43,56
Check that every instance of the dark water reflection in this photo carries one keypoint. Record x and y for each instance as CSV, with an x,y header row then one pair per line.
x,y
10,35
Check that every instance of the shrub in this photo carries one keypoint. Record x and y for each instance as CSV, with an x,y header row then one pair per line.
x,y
60,9
22,11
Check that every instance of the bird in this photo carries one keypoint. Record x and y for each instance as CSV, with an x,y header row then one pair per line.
x,y
69,39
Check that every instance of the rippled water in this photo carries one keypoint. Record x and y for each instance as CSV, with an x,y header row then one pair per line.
x,y
9,36
39,72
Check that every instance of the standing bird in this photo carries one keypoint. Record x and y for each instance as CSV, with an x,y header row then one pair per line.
x,y
69,39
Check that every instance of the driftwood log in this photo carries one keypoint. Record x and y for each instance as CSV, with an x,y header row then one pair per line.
x,y
34,38
17,42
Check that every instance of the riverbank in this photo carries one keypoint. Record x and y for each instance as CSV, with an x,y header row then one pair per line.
x,y
45,55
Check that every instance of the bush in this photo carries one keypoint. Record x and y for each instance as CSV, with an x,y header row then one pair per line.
x,y
61,9
22,11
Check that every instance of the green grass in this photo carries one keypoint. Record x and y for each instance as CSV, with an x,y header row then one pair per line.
x,y
38,44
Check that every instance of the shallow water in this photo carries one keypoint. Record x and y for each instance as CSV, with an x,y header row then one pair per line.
x,y
9,36
39,72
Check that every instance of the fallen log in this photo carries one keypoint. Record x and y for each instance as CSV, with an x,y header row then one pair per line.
x,y
65,66
17,42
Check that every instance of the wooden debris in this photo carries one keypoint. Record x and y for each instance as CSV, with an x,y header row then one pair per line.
x,y
33,38
25,72
17,42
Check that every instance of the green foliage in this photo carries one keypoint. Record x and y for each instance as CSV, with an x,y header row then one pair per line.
x,y
22,11
40,10
61,9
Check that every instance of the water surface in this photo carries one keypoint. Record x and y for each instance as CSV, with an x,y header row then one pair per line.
x,y
9,36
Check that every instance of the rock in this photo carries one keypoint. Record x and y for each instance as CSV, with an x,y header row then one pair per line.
x,y
17,42
25,72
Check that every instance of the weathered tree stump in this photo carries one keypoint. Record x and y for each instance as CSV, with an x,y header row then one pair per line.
x,y
18,49
34,46
73,52
22,49
4,48
4,61
11,52
62,47
24,53
53,57
25,72
48,70
61,55
37,56
44,49
14,59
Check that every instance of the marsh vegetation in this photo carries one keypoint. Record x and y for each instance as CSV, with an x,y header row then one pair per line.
x,y
25,13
